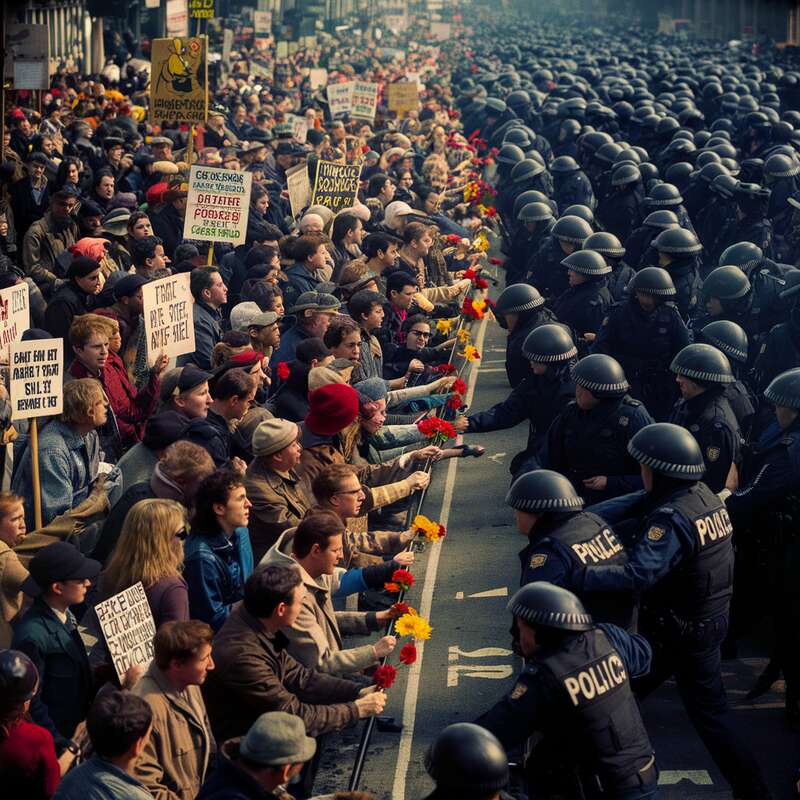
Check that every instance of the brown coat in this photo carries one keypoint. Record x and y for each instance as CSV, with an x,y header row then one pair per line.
x,y
12,576
278,503
41,246
254,673
174,762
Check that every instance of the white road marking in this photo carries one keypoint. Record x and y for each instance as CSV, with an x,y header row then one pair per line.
x,y
498,457
406,742
699,777
454,651
501,592
493,369
492,672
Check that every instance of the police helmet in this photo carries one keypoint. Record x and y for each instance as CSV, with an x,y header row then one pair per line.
x,y
703,363
653,281
535,212
529,196
579,210
602,375
663,195
543,490
466,759
495,107
593,140
517,298
648,171
606,153
509,154
625,174
518,136
543,603
526,169
679,173
586,262
784,390
677,241
744,255
564,164
550,343
781,166
571,229
605,243
669,450
724,185
662,219
728,337
518,100
18,677
726,283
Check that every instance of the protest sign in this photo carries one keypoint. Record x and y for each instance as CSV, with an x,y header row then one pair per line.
x,y
317,78
201,9
340,98
36,371
168,321
364,100
336,185
299,188
299,127
177,18
15,315
281,49
440,30
179,79
262,21
28,56
402,96
128,628
218,205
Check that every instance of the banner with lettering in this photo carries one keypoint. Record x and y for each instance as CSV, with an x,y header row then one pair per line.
x,y
336,185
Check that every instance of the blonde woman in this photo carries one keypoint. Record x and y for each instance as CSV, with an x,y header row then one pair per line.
x,y
12,573
150,550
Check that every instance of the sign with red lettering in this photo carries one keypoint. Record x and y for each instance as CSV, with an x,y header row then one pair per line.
x,y
218,205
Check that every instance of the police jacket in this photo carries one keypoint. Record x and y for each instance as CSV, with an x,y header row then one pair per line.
x,y
583,307
780,351
618,280
561,545
685,276
583,444
517,365
574,189
620,212
524,246
545,271
742,404
710,419
683,553
637,244
580,696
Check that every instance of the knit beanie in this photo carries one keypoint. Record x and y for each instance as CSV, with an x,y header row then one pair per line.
x,y
331,409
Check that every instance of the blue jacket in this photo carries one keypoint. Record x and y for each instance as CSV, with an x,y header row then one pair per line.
x,y
299,280
216,569
289,341
206,334
98,779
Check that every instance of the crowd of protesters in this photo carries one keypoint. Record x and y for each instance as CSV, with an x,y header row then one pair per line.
x,y
644,201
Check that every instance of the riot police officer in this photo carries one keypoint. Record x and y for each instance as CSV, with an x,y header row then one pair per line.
x,y
535,220
576,689
613,252
562,538
702,372
683,560
678,251
467,761
726,293
538,398
780,349
622,209
667,197
570,185
588,440
519,309
751,224
638,246
644,333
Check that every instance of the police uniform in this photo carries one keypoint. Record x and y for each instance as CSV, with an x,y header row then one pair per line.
x,y
645,344
621,211
563,544
637,244
583,307
580,697
710,419
517,365
545,271
574,189
779,351
523,245
583,444
684,274
619,279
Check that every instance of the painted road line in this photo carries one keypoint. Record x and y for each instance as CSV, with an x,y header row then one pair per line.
x,y
699,777
501,592
412,687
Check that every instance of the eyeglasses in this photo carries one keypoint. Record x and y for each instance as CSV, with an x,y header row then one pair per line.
x,y
421,334
351,491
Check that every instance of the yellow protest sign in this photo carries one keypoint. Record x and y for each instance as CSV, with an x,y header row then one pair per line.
x,y
201,9
402,96
179,79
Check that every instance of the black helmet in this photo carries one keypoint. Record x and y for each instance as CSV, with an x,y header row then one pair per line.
x,y
535,212
525,169
528,196
592,140
663,195
519,99
601,375
606,153
781,166
785,389
18,677
677,241
704,363
543,603
742,254
679,173
495,106
654,281
662,219
571,229
579,210
564,164
466,759
518,297
605,243
724,185
625,174
518,136
550,343
509,154
728,337
712,170
668,449
586,262
726,283
543,490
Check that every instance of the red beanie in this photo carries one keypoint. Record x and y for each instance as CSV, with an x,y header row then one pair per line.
x,y
331,409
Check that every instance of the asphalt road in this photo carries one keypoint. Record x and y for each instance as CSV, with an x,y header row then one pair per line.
x,y
463,584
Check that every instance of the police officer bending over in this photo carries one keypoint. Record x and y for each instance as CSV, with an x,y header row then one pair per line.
x,y
576,689
683,560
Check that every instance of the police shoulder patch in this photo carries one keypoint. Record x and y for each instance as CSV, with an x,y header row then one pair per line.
x,y
623,421
655,533
537,560
518,691
713,453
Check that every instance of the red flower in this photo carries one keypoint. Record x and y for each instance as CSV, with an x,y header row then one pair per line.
x,y
403,578
480,283
401,608
452,238
384,676
436,429
495,262
455,402
470,273
445,369
283,370
459,387
392,588
408,654
442,531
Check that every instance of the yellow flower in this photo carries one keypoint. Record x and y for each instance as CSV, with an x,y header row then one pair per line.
x,y
443,326
479,304
463,336
480,243
471,353
412,625
432,531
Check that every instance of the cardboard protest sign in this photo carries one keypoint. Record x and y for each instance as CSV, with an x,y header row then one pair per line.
x,y
299,188
262,21
340,98
364,100
179,79
336,185
168,321
299,127
402,96
440,30
128,628
15,315
36,370
218,205
317,78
